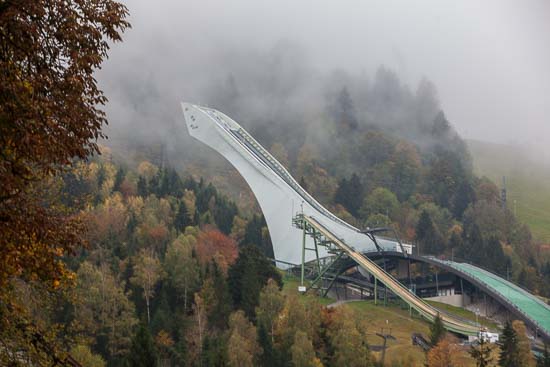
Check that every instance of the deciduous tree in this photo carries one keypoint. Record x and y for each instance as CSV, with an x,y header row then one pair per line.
x,y
182,267
524,345
271,304
242,344
303,354
147,272
444,354
50,113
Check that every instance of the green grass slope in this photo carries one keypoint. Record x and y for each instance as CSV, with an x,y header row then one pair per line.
x,y
527,181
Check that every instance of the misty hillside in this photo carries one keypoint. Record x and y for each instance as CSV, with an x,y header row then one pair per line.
x,y
527,182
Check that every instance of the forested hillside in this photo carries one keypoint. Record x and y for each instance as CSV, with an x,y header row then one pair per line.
x,y
175,274
154,252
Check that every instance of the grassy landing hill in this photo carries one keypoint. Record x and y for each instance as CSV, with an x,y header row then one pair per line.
x,y
527,181
396,317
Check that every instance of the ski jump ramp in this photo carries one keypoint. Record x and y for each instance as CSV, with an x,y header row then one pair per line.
x,y
281,198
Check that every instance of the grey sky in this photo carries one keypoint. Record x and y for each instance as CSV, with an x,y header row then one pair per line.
x,y
490,60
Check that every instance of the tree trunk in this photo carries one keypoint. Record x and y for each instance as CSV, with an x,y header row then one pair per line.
x,y
185,300
148,317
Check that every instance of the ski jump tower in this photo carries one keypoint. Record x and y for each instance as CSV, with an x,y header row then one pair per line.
x,y
280,197
297,222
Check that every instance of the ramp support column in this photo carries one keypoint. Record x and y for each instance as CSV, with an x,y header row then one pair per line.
x,y
303,255
375,291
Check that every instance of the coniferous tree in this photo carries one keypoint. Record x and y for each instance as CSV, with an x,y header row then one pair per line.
x,y
437,330
119,177
481,353
142,352
428,236
219,314
472,244
247,276
350,194
462,198
344,112
268,358
508,343
182,219
214,351
494,257
142,187
255,234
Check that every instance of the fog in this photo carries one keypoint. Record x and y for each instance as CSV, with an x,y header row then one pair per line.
x,y
489,61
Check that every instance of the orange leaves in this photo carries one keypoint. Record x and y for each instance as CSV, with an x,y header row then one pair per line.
x,y
212,244
34,238
49,115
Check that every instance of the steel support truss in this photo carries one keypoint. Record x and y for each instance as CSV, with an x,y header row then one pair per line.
x,y
324,269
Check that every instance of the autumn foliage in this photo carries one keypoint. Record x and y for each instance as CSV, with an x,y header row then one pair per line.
x,y
214,245
49,115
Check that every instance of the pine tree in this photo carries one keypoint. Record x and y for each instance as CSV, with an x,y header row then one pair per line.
x,y
142,353
463,197
268,358
350,194
142,187
494,257
120,174
219,314
247,276
508,343
428,236
254,235
182,219
437,330
214,351
482,353
472,242
344,112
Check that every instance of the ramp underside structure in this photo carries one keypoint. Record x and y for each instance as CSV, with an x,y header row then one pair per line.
x,y
281,198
